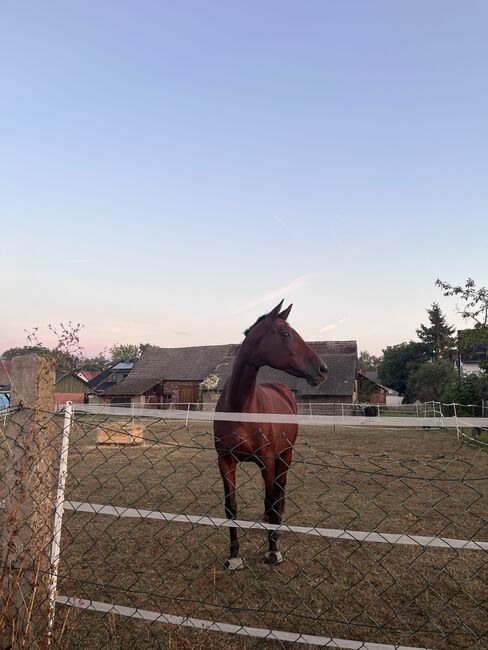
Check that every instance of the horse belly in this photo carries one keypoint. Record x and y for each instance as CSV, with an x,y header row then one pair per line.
x,y
264,442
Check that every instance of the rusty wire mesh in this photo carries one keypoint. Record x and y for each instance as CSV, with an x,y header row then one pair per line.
x,y
385,539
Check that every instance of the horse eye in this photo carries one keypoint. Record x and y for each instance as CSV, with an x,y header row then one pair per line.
x,y
285,335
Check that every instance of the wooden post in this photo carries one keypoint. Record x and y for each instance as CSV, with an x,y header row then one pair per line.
x,y
30,479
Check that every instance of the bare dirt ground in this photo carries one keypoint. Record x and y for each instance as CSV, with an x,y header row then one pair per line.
x,y
388,481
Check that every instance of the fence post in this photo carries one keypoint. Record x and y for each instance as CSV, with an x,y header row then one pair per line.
x,y
30,479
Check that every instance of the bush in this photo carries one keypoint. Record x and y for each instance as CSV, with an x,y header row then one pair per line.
x,y
468,389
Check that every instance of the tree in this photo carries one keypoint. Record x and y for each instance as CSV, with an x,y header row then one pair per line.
x,y
94,363
398,362
474,310
26,349
67,352
368,361
128,351
431,381
438,337
476,300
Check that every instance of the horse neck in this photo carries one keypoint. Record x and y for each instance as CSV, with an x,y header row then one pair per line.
x,y
242,383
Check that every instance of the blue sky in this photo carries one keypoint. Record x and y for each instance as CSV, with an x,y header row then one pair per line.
x,y
170,171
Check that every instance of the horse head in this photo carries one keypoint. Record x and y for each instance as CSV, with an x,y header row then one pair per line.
x,y
271,341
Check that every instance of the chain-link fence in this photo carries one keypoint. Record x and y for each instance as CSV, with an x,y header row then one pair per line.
x,y
384,540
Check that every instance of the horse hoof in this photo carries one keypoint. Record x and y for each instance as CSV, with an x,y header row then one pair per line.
x,y
234,563
273,557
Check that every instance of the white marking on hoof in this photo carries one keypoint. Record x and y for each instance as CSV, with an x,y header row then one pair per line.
x,y
273,557
234,563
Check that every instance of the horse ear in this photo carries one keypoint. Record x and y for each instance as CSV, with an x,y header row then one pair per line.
x,y
285,313
274,312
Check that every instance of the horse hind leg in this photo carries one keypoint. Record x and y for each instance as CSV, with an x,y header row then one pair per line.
x,y
227,467
282,465
271,514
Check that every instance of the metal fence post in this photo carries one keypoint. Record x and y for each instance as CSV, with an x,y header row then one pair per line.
x,y
27,529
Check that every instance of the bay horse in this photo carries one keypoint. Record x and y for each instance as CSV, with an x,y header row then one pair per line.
x,y
269,342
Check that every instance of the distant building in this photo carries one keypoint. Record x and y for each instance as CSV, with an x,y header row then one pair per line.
x,y
70,387
371,390
77,386
340,386
173,375
103,381
470,355
5,368
169,375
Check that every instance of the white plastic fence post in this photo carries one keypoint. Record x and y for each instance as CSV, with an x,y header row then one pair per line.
x,y
458,433
58,516
187,414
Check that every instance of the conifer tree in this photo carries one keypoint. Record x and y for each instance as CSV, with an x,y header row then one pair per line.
x,y
438,336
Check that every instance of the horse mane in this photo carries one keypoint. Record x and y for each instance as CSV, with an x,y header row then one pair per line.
x,y
246,332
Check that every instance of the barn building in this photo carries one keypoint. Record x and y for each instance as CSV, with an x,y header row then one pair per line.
x,y
372,391
169,375
173,375
70,386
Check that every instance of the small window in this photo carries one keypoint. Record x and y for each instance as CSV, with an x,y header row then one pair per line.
x,y
167,398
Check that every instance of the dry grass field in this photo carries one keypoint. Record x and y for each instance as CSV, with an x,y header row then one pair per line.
x,y
389,481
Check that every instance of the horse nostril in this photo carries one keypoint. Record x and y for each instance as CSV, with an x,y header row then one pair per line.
x,y
323,370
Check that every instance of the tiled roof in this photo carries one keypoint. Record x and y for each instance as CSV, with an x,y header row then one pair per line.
x,y
372,376
101,381
171,364
196,363
88,375
341,360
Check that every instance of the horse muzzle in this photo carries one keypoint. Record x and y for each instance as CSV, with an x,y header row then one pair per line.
x,y
319,375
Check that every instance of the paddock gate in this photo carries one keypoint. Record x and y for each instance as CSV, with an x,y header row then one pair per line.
x,y
385,537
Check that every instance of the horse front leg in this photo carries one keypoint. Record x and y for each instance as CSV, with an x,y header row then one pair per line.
x,y
227,467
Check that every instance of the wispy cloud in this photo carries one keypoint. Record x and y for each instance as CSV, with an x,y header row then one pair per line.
x,y
277,294
333,326
283,224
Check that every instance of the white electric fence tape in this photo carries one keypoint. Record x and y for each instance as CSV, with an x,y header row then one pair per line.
x,y
350,535
201,624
